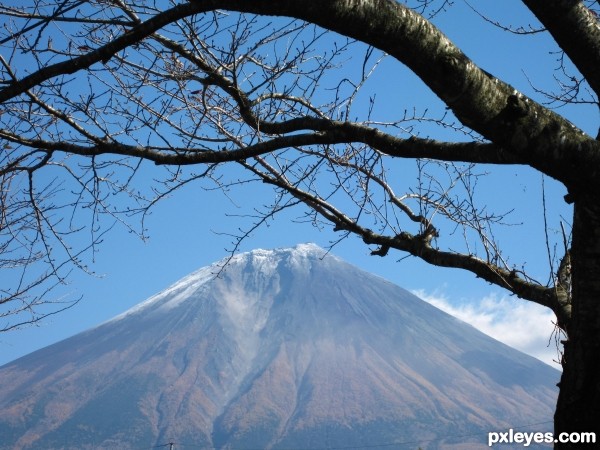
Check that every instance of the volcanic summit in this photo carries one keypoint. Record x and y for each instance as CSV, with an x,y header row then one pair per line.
x,y
287,348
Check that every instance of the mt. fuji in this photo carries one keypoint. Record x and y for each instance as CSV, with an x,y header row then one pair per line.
x,y
277,349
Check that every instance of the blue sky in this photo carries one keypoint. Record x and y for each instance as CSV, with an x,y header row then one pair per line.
x,y
190,229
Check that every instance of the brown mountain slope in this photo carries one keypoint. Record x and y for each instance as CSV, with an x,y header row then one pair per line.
x,y
285,349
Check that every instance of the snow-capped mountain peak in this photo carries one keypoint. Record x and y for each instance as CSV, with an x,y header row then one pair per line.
x,y
287,348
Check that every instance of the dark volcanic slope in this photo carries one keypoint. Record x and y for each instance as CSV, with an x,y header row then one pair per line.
x,y
285,349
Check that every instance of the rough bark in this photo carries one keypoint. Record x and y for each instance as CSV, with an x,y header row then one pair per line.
x,y
532,133
576,30
578,405
536,135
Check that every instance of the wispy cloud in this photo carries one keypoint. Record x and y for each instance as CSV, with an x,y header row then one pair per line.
x,y
523,325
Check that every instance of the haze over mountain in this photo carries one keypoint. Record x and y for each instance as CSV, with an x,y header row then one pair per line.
x,y
288,348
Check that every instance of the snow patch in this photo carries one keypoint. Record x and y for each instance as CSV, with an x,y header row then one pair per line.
x,y
301,255
308,250
246,299
263,263
174,294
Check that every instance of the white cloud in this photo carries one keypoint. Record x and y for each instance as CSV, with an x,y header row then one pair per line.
x,y
524,325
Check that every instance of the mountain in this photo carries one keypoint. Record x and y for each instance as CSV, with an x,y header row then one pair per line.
x,y
289,348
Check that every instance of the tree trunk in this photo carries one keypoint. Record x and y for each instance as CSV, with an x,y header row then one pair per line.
x,y
578,408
